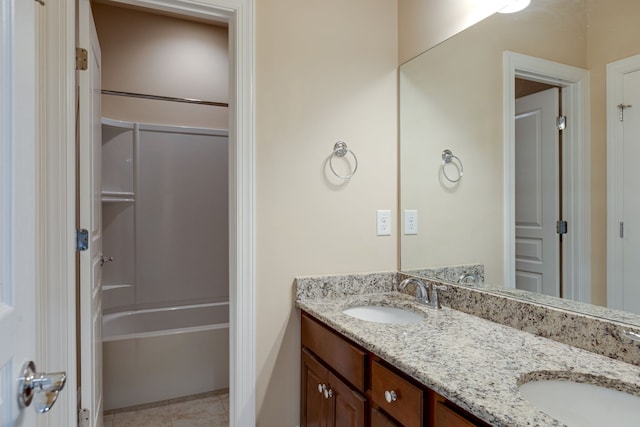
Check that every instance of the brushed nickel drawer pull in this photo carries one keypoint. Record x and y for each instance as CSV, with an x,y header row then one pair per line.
x,y
390,396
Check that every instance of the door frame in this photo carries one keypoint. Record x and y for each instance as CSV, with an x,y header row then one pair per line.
x,y
576,204
57,51
615,93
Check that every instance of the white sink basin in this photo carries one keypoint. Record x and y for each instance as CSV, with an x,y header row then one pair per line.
x,y
383,314
583,405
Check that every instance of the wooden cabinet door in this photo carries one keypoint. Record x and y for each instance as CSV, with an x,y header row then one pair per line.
x,y
378,419
447,417
348,406
314,406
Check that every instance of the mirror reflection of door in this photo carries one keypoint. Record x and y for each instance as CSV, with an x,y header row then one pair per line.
x,y
631,195
538,184
623,87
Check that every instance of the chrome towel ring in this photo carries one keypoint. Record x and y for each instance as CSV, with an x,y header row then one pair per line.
x,y
340,150
447,158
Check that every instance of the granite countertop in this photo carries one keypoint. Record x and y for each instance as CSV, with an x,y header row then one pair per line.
x,y
475,363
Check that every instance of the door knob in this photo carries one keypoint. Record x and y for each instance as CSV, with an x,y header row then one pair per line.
x,y
44,387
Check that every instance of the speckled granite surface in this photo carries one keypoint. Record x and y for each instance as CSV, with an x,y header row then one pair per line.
x,y
450,273
336,286
476,363
592,333
578,307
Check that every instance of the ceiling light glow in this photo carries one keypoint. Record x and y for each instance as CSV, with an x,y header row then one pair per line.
x,y
515,6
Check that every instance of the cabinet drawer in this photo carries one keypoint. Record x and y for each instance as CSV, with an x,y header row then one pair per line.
x,y
343,357
408,406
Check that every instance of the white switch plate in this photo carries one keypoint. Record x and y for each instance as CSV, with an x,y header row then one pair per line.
x,y
410,221
383,222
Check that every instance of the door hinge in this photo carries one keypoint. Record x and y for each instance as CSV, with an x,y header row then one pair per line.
x,y
82,59
83,417
621,108
561,227
621,229
561,122
82,240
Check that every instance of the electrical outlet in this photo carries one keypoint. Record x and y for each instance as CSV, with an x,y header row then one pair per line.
x,y
410,221
383,223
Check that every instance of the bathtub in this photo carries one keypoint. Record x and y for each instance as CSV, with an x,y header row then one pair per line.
x,y
158,354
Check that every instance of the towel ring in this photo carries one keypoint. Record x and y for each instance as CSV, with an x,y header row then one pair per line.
x,y
448,157
340,150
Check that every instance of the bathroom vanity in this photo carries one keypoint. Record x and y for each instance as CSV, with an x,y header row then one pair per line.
x,y
448,368
346,385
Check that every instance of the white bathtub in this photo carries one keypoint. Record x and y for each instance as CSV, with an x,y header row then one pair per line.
x,y
159,354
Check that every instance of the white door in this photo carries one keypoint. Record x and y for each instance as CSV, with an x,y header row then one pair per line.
x,y
630,235
90,206
623,179
537,192
19,190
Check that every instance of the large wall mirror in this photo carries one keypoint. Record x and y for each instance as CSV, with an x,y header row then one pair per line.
x,y
462,96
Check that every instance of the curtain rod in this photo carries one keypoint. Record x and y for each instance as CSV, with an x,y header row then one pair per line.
x,y
164,98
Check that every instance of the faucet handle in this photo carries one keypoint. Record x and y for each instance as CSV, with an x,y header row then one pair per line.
x,y
435,302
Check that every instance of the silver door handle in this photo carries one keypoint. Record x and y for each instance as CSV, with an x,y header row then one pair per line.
x,y
44,387
104,260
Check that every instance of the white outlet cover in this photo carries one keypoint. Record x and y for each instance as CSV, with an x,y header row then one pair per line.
x,y
410,221
383,222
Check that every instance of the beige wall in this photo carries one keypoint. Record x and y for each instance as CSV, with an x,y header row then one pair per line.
x,y
326,71
425,23
160,55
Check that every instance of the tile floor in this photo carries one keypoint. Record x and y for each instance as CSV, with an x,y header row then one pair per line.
x,y
202,410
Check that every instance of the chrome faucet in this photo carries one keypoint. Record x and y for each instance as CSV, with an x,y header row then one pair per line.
x,y
422,291
464,278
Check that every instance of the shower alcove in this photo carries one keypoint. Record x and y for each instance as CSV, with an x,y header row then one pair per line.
x,y
165,290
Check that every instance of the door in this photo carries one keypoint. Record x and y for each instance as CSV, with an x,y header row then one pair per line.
x,y
19,293
623,178
537,192
90,209
314,405
630,233
348,405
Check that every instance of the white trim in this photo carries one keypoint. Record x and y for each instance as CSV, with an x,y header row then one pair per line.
x,y
59,338
57,267
615,95
576,163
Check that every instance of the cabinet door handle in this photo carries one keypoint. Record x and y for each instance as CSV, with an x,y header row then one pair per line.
x,y
390,396
321,388
328,393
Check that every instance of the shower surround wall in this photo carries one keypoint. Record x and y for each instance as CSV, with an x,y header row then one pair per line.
x,y
165,209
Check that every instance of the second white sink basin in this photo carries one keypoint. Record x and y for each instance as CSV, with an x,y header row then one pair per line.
x,y
383,314
583,405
